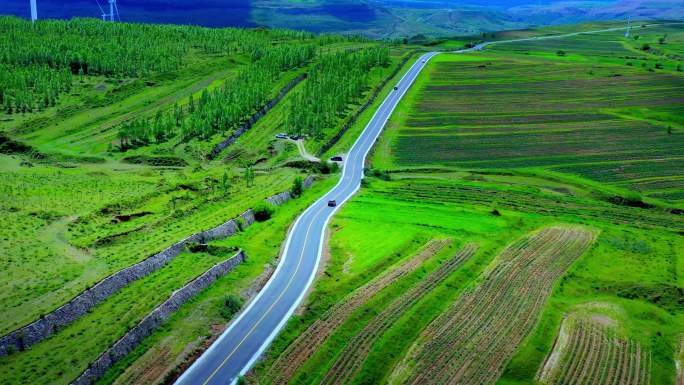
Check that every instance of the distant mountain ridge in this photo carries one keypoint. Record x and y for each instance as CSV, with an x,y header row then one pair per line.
x,y
374,18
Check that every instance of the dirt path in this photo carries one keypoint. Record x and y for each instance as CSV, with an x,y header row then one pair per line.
x,y
303,152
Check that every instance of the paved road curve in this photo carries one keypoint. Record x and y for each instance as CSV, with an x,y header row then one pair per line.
x,y
247,337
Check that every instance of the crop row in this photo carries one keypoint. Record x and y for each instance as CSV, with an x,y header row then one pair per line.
x,y
529,201
596,355
473,340
313,337
509,71
593,45
512,117
551,147
624,171
550,95
349,362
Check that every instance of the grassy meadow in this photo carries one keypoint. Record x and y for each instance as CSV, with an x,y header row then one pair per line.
x,y
79,207
568,153
491,148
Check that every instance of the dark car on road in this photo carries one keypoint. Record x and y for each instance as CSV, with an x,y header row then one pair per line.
x,y
332,203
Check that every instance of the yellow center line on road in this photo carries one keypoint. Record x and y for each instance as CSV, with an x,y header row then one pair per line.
x,y
299,263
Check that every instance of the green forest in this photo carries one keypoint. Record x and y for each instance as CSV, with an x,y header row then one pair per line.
x,y
36,58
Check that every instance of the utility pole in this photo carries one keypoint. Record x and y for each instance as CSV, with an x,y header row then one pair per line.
x,y
34,11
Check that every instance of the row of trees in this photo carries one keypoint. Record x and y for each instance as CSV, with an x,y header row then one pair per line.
x,y
223,109
335,82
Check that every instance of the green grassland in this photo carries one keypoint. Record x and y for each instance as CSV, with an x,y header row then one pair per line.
x,y
485,148
78,209
489,146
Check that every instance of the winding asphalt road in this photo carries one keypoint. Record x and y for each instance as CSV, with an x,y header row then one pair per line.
x,y
249,335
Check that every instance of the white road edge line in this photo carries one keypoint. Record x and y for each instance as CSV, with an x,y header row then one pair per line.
x,y
297,302
280,265
282,322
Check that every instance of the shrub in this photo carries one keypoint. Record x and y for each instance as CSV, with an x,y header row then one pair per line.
x,y
326,167
560,52
380,174
659,66
645,47
230,305
158,161
263,212
241,224
297,187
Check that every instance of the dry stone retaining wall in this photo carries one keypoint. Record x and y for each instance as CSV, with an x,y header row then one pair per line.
x,y
153,320
47,325
279,199
248,124
79,305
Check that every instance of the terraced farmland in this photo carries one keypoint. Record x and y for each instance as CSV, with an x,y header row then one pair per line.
x,y
307,343
588,352
349,362
601,111
474,339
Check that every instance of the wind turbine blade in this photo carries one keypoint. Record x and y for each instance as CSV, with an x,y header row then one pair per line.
x,y
98,5
117,11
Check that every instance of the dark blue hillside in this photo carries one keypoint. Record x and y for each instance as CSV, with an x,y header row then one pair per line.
x,y
211,13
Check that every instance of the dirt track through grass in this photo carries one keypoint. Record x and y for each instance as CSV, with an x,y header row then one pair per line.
x,y
312,338
474,339
351,359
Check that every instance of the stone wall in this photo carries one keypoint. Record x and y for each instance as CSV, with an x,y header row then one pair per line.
x,y
153,320
42,328
255,118
47,325
327,146
279,199
308,181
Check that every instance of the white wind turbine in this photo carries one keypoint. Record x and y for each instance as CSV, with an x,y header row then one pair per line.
x,y
113,11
